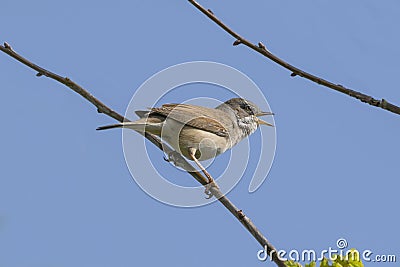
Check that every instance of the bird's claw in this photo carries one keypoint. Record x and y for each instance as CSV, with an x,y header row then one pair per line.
x,y
211,184
175,158
208,192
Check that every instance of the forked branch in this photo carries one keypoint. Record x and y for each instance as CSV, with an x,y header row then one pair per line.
x,y
260,48
102,108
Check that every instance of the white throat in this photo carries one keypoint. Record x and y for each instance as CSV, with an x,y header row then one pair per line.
x,y
247,126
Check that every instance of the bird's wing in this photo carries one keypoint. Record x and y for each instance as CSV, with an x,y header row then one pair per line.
x,y
207,119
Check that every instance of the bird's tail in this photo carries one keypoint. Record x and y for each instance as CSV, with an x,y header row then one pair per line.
x,y
140,125
135,125
106,127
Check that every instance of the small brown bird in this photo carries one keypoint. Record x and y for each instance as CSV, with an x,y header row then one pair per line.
x,y
199,133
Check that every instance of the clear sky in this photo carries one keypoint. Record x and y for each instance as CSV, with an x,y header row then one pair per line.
x,y
67,197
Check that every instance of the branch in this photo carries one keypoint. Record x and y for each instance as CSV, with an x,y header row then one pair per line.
x,y
102,108
260,48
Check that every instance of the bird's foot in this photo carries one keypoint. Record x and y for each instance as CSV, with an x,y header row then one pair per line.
x,y
175,158
211,184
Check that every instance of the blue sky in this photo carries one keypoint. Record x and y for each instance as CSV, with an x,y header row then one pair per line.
x,y
67,197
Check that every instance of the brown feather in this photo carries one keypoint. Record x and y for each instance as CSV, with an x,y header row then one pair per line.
x,y
207,119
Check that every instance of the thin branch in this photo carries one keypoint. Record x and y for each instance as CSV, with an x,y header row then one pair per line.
x,y
260,48
102,108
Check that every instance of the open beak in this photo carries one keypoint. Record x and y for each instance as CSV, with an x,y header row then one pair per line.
x,y
264,113
262,122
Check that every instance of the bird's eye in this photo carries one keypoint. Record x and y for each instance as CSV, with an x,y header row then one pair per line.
x,y
247,107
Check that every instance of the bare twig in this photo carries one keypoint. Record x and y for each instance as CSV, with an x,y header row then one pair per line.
x,y
260,48
102,108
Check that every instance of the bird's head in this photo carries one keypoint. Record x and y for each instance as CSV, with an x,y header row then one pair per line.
x,y
247,112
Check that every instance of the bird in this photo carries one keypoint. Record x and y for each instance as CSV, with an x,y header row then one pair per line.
x,y
196,132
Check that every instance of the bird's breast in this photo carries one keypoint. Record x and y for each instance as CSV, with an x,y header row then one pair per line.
x,y
182,137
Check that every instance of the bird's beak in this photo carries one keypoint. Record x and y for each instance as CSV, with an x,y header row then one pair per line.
x,y
264,113
260,121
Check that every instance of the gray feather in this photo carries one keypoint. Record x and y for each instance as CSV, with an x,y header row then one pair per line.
x,y
142,113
